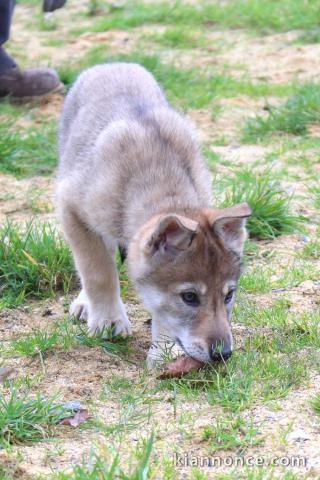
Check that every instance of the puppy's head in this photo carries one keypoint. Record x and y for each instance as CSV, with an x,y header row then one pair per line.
x,y
186,269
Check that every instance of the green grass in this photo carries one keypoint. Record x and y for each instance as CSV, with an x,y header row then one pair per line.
x,y
229,433
309,37
263,279
293,146
112,345
250,377
256,280
272,361
106,466
257,473
248,312
25,152
187,88
179,37
252,14
271,377
315,403
270,204
64,335
10,470
297,272
134,399
134,414
315,193
312,250
35,262
38,342
26,419
292,335
293,117
116,387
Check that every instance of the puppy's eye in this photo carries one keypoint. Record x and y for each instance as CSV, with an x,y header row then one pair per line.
x,y
190,298
229,297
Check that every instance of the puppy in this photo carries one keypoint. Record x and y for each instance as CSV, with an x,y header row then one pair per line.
x,y
131,175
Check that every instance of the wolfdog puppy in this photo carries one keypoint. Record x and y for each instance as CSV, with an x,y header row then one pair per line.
x,y
131,175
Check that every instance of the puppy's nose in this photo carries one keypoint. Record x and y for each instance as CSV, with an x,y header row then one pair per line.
x,y
220,352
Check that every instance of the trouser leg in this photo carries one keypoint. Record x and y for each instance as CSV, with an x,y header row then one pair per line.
x,y
6,11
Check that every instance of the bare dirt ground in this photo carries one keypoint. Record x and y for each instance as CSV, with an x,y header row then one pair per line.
x,y
287,427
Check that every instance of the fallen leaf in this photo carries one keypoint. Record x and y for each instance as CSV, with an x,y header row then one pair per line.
x,y
79,417
179,367
5,372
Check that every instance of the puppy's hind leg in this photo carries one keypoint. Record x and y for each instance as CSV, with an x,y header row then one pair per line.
x,y
99,301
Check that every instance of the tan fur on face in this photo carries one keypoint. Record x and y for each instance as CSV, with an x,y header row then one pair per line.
x,y
208,261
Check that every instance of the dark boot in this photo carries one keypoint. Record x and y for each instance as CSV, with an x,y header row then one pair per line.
x,y
6,61
28,84
51,5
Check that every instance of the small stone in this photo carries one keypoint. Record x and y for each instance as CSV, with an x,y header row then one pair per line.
x,y
304,239
298,435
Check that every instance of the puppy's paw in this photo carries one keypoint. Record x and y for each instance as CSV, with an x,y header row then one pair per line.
x,y
105,317
79,308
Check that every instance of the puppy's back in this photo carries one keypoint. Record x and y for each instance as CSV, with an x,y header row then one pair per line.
x,y
102,94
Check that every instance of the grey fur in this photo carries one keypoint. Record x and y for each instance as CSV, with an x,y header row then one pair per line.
x,y
120,140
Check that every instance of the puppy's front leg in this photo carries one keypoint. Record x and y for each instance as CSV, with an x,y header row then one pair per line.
x,y
99,301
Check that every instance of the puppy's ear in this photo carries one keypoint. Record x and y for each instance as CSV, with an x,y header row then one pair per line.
x,y
173,233
229,224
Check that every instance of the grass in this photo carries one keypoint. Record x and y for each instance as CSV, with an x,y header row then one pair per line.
x,y
293,117
26,419
250,377
263,279
270,204
112,345
315,403
296,273
311,250
270,378
133,415
187,88
315,192
38,342
63,335
272,361
309,37
290,334
249,313
256,280
253,15
25,152
257,473
279,330
116,387
35,262
134,399
231,433
179,37
108,467
276,350
10,470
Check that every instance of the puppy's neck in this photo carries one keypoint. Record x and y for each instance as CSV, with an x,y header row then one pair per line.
x,y
152,206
